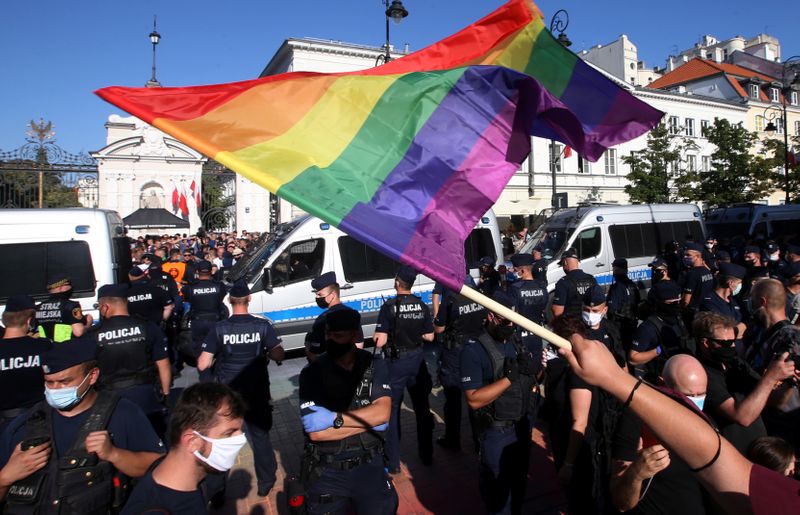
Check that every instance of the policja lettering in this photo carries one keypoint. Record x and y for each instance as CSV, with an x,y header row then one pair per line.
x,y
234,339
465,309
123,332
204,291
139,298
19,362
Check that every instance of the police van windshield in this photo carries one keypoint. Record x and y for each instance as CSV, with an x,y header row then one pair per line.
x,y
252,265
553,238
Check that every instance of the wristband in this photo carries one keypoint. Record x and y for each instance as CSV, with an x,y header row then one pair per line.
x,y
630,397
714,459
658,350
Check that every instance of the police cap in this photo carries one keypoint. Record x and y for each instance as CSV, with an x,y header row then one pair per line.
x,y
407,274
204,267
752,249
135,272
732,270
239,289
658,263
691,245
113,291
539,269
343,319
57,280
503,298
486,261
666,290
18,303
323,280
569,253
522,260
771,247
64,355
594,297
723,256
620,263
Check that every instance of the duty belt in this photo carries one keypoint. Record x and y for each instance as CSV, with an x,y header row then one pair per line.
x,y
330,460
502,424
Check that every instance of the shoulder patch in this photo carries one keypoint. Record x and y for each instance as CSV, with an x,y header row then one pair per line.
x,y
77,313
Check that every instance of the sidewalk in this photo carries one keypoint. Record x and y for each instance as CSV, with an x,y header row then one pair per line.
x,y
449,486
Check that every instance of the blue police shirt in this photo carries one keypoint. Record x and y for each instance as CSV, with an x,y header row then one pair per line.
x,y
699,283
717,304
564,287
530,299
213,345
646,338
477,369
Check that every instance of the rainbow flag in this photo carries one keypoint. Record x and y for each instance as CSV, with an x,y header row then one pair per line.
x,y
407,156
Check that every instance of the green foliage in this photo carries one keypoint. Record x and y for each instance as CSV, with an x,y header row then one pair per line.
x,y
649,175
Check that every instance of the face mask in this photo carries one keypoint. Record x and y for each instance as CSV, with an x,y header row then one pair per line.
x,y
698,401
223,451
673,309
749,262
723,354
64,399
337,350
658,274
774,257
688,262
500,332
709,246
619,276
591,319
737,289
321,302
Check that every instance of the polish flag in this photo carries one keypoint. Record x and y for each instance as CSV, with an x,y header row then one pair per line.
x,y
175,198
184,207
195,194
568,151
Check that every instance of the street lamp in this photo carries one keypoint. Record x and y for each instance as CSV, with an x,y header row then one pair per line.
x,y
155,37
558,23
788,86
395,12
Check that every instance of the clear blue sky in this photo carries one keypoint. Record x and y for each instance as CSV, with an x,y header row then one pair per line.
x,y
54,53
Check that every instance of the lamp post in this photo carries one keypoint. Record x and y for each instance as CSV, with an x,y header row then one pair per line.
x,y
155,37
395,12
789,85
558,23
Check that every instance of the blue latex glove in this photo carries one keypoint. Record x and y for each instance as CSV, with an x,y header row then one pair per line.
x,y
382,427
318,419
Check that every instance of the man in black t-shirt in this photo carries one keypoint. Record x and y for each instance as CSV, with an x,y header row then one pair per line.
x,y
698,283
147,301
404,324
649,479
206,414
20,354
326,295
570,289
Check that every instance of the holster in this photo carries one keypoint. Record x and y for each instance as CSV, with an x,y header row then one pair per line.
x,y
310,466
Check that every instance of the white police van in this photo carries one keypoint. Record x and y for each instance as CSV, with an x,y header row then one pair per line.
x,y
739,221
601,233
280,269
87,244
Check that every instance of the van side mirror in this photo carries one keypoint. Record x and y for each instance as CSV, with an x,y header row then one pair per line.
x,y
266,280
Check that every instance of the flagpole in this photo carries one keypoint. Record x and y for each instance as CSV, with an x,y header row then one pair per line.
x,y
515,317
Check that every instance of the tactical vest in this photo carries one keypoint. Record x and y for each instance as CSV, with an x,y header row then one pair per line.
x,y
579,288
465,320
235,357
50,320
626,310
397,337
513,404
75,483
124,353
205,300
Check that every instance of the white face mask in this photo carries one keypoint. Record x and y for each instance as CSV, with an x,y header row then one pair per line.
x,y
698,401
591,319
774,257
223,451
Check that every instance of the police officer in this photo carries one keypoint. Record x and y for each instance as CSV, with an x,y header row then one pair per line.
x,y
205,298
662,335
728,284
20,359
530,300
345,406
458,319
242,346
58,317
132,355
147,301
326,295
698,282
404,324
489,279
73,453
497,376
623,302
598,327
570,289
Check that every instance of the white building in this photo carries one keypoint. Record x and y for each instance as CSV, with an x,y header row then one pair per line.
x,y
709,47
620,58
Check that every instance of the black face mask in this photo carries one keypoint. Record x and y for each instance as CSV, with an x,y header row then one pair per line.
x,y
321,302
337,350
658,275
723,354
500,332
672,310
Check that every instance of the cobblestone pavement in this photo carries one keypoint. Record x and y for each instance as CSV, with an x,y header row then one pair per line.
x,y
449,486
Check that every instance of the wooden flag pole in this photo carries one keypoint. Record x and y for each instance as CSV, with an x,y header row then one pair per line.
x,y
515,317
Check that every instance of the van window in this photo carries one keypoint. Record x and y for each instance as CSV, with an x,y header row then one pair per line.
x,y
633,241
587,244
363,263
678,231
479,244
300,261
121,251
784,228
33,263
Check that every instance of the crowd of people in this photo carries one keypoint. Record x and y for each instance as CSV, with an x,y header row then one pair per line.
x,y
683,400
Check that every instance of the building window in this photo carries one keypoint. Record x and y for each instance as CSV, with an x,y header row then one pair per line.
x,y
797,128
611,161
673,125
793,98
584,166
555,156
774,95
759,123
706,163
704,125
754,91
675,168
689,127
779,124
691,163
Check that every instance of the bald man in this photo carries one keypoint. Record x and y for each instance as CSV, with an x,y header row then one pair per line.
x,y
676,490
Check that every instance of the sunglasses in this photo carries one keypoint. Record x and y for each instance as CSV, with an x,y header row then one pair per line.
x,y
722,343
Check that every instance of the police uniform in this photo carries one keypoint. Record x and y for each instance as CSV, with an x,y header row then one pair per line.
x,y
530,300
571,288
146,300
717,304
127,350
205,298
57,313
21,376
698,281
240,345
489,277
74,482
623,302
503,425
404,319
462,319
351,469
315,339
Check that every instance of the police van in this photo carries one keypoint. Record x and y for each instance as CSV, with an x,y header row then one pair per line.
x,y
601,233
739,221
87,244
280,269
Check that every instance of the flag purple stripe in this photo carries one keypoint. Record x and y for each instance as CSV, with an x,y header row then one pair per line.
x,y
626,119
589,95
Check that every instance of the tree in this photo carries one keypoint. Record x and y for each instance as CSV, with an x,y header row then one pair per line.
x,y
217,197
776,148
649,175
737,175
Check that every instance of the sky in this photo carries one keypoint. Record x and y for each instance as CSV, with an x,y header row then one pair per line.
x,y
55,53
